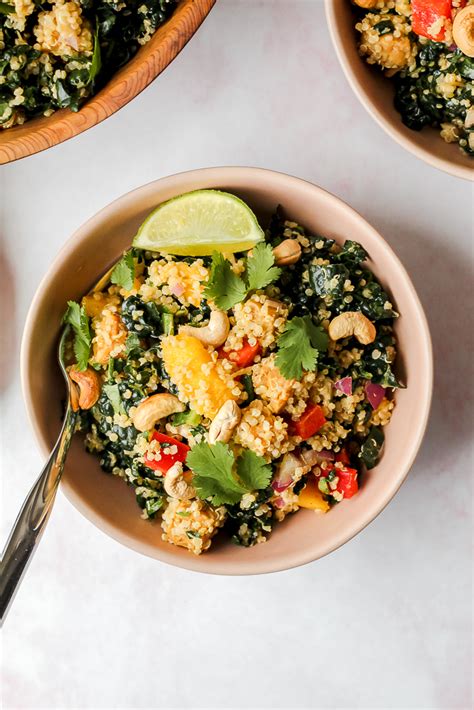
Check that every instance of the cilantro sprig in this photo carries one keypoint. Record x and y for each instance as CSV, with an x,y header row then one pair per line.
x,y
77,317
226,288
218,476
124,272
260,270
299,346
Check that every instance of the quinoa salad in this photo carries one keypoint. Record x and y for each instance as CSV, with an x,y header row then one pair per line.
x,y
427,48
231,390
55,54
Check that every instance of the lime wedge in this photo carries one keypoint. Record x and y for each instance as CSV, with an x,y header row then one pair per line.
x,y
198,223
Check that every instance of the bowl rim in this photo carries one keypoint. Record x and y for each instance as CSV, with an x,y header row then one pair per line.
x,y
188,17
216,175
409,144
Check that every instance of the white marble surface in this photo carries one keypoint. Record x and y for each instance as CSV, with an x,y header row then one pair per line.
x,y
386,620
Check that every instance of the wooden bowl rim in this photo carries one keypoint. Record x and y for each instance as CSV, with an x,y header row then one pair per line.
x,y
43,132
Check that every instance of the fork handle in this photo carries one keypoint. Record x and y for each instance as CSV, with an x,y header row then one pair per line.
x,y
32,518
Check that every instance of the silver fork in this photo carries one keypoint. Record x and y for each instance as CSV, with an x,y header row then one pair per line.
x,y
34,514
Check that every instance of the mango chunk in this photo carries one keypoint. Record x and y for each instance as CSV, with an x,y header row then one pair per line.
x,y
95,303
312,498
195,374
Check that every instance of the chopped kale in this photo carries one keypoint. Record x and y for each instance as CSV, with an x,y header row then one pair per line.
x,y
421,103
328,279
352,253
244,525
144,319
376,363
384,27
370,450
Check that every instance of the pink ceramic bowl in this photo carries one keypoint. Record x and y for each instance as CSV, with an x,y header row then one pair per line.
x,y
375,92
110,504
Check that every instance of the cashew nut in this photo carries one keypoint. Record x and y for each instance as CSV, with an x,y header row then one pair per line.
x,y
85,388
463,30
224,422
154,408
175,484
214,333
287,252
352,323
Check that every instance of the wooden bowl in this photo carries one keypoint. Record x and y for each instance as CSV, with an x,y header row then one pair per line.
x,y
170,38
105,499
376,94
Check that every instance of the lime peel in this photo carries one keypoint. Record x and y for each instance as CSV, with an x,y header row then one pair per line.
x,y
199,223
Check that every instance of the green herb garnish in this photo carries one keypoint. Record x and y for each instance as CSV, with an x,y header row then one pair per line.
x,y
227,288
260,267
299,346
214,475
224,287
124,272
77,317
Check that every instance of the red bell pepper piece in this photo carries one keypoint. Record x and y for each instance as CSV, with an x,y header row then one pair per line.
x,y
167,460
310,421
425,13
243,357
347,483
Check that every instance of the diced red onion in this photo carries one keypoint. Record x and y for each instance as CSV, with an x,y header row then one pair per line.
x,y
279,502
177,289
374,393
285,473
311,457
280,486
344,385
325,455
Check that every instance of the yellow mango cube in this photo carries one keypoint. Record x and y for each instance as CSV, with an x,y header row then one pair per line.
x,y
312,498
195,374
95,303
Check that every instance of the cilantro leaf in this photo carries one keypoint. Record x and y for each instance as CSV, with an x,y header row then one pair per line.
x,y
224,287
260,267
77,317
299,346
253,471
124,272
213,476
113,393
227,288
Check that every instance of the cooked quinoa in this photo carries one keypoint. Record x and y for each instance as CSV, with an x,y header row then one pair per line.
x,y
299,429
56,54
433,77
